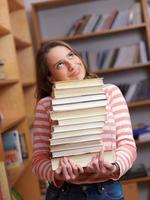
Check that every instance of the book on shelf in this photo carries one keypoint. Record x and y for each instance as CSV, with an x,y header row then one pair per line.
x,y
16,195
135,15
101,22
23,146
90,26
12,148
84,21
143,52
83,159
110,19
121,19
3,182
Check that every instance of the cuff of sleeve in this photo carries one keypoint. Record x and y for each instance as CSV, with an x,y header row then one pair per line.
x,y
56,183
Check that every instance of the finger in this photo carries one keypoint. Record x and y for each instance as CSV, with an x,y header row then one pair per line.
x,y
69,168
64,170
95,165
58,170
74,167
81,170
108,165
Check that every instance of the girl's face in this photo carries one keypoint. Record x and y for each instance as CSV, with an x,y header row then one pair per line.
x,y
64,65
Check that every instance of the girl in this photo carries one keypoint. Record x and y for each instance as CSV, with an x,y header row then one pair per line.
x,y
57,61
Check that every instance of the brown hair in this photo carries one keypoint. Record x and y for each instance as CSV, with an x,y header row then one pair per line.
x,y
44,87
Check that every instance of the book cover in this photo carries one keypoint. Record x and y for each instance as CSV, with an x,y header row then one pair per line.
x,y
23,145
82,105
78,151
75,139
75,133
56,129
82,120
68,146
62,93
78,113
70,84
12,149
78,99
3,182
83,159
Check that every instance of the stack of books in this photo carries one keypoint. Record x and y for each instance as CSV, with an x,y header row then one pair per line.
x,y
79,110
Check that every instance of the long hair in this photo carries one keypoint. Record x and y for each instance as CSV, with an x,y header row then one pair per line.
x,y
44,87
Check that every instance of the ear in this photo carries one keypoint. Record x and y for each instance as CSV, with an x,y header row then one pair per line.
x,y
50,79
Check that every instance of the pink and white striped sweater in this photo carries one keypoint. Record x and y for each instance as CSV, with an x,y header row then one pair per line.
x,y
117,135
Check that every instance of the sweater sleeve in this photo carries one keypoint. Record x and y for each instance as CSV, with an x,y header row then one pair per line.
x,y
125,145
41,163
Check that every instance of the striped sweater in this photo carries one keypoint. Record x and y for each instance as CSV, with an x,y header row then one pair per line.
x,y
117,135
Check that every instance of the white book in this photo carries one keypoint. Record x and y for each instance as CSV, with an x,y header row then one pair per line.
x,y
56,129
82,120
75,139
91,23
76,133
83,105
63,93
143,52
129,94
121,19
91,149
144,137
78,83
83,159
78,113
78,99
76,145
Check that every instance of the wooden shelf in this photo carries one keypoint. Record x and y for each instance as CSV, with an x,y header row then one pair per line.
x,y
10,123
4,18
20,43
141,103
142,143
20,28
8,54
28,84
3,30
124,68
137,180
97,34
30,101
26,65
15,173
15,5
8,82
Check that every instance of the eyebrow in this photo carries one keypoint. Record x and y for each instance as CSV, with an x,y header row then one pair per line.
x,y
61,59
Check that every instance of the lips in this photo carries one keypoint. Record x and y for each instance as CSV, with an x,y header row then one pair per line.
x,y
75,73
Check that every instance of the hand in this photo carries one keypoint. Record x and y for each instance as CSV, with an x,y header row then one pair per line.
x,y
67,170
98,166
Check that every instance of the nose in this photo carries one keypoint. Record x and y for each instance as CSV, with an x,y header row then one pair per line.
x,y
70,64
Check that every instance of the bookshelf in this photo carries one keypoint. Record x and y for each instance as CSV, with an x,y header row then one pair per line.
x,y
43,15
16,91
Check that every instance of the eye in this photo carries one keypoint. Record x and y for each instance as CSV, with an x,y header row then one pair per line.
x,y
71,55
59,65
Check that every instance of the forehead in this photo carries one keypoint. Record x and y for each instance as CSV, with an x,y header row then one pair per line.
x,y
57,53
